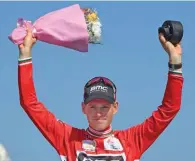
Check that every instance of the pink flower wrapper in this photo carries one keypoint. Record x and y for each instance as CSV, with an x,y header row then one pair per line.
x,y
64,27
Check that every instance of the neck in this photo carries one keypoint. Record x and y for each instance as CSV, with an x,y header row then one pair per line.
x,y
97,133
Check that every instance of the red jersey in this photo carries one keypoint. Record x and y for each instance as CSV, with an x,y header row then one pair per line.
x,y
73,144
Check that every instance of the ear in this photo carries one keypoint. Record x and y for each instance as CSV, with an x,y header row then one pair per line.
x,y
115,107
83,107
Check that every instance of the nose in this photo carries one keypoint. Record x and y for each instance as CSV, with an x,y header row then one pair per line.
x,y
98,114
98,111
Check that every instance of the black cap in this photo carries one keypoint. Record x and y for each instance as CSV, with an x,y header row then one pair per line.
x,y
99,91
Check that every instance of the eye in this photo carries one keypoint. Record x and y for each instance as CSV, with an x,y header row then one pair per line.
x,y
105,107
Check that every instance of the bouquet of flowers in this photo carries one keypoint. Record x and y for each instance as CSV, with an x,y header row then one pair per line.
x,y
71,27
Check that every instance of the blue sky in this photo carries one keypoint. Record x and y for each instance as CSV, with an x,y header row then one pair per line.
x,y
131,56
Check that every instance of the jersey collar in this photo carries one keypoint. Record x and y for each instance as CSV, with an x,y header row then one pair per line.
x,y
101,134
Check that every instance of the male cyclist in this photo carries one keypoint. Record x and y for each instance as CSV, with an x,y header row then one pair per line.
x,y
99,142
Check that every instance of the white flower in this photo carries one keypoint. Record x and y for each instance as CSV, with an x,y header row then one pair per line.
x,y
96,31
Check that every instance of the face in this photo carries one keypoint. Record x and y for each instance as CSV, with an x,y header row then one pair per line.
x,y
99,113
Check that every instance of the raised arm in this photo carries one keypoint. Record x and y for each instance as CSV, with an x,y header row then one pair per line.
x,y
143,135
52,129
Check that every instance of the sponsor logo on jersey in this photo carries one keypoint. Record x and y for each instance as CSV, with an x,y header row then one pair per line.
x,y
88,145
112,143
81,156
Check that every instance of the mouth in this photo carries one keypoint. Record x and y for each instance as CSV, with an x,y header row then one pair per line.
x,y
100,120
